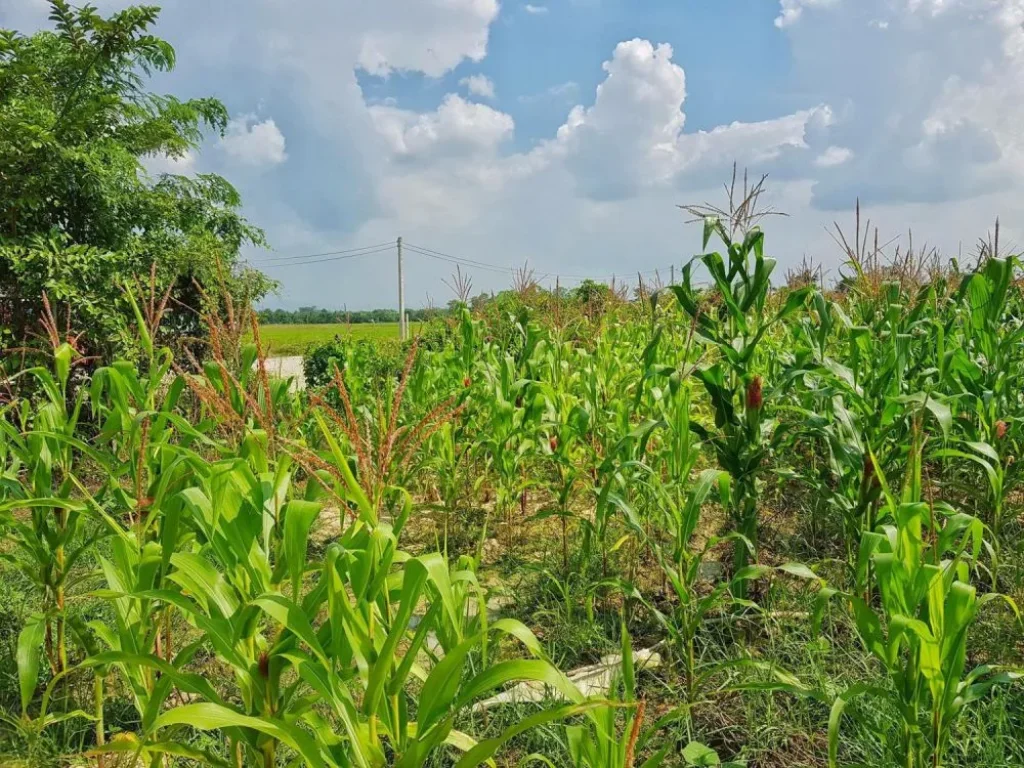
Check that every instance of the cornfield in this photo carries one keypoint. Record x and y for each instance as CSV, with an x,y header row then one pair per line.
x,y
783,524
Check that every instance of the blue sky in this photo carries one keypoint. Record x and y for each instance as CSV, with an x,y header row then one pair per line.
x,y
564,133
561,48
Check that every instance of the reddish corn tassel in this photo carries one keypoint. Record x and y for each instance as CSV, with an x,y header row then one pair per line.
x,y
466,382
264,666
553,442
754,396
870,479
1000,430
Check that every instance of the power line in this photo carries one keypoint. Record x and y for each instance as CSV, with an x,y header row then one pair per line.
x,y
460,261
388,247
457,261
472,263
440,255
328,253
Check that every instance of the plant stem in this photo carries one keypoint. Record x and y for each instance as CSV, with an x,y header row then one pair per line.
x,y
98,704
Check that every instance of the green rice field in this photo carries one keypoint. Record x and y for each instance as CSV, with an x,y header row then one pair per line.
x,y
294,339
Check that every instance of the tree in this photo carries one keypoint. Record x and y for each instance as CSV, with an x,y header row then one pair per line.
x,y
80,216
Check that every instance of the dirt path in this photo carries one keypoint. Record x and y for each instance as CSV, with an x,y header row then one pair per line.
x,y
285,367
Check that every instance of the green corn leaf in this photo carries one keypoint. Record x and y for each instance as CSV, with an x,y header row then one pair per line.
x,y
751,573
521,632
186,681
518,670
628,673
155,749
366,510
835,716
794,300
486,749
30,641
414,577
289,615
299,517
699,755
208,717
205,583
711,223
799,570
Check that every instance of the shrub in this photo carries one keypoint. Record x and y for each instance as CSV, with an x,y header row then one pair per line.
x,y
319,361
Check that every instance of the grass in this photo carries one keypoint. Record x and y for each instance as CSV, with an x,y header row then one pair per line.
x,y
294,339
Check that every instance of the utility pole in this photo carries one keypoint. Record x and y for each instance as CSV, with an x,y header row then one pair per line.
x,y
401,295
672,279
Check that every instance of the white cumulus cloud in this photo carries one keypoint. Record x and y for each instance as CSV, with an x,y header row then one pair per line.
x,y
479,85
933,114
833,156
254,143
163,163
790,11
535,9
632,136
925,130
456,127
429,36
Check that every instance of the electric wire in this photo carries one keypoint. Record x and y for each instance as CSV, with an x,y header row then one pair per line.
x,y
389,247
471,263
459,261
327,253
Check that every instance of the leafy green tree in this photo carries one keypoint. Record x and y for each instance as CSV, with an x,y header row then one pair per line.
x,y
80,215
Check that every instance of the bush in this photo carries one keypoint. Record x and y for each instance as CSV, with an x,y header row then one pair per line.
x,y
320,359
439,334
369,363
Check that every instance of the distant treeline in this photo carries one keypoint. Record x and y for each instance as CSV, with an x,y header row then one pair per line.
x,y
317,316
589,294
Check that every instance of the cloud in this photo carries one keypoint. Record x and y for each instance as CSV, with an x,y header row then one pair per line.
x,y
429,36
833,156
634,123
456,128
254,143
479,85
790,11
632,136
162,163
535,9
933,114
451,169
925,130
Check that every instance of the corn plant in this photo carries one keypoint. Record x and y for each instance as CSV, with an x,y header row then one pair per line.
x,y
676,512
920,561
857,391
385,445
567,425
370,642
734,318
515,410
46,449
261,622
612,734
449,462
983,368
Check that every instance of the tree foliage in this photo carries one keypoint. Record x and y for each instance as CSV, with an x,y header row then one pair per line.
x,y
80,214
318,315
